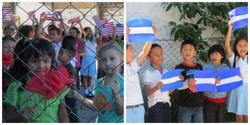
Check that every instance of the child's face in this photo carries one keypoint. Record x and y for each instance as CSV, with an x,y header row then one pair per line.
x,y
89,33
216,58
63,56
9,47
242,48
156,56
8,32
73,33
111,61
40,64
129,54
53,35
32,34
188,52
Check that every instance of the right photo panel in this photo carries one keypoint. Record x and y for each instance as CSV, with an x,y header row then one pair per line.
x,y
186,62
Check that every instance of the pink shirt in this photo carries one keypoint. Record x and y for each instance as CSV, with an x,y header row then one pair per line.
x,y
79,45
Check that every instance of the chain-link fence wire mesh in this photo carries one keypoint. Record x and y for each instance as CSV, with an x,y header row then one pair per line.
x,y
78,107
172,58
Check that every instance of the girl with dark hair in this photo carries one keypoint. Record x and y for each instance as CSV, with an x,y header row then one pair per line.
x,y
238,98
37,92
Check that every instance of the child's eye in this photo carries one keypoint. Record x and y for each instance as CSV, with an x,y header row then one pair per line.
x,y
112,58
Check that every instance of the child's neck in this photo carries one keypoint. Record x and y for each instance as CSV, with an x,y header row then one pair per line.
x,y
188,62
109,79
156,66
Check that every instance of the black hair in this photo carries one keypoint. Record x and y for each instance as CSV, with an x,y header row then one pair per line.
x,y
190,42
154,46
69,41
71,53
7,38
74,28
85,30
217,48
51,26
25,30
26,49
238,38
58,31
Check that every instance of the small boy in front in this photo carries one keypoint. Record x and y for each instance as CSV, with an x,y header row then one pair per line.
x,y
190,104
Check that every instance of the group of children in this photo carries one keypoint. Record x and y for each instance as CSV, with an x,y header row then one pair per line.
x,y
192,106
41,70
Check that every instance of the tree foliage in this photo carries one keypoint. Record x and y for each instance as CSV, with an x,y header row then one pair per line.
x,y
212,14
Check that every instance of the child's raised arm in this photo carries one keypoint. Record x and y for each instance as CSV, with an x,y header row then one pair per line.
x,y
146,49
228,37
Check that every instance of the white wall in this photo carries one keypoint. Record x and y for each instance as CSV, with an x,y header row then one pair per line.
x,y
160,18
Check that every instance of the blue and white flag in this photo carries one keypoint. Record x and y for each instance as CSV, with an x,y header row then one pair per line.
x,y
205,80
140,30
229,80
240,17
171,80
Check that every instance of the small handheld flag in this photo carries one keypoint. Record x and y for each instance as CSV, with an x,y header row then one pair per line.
x,y
229,80
119,29
140,30
171,80
240,17
74,20
205,80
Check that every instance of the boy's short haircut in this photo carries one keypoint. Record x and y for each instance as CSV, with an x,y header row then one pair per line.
x,y
154,46
56,29
190,42
217,48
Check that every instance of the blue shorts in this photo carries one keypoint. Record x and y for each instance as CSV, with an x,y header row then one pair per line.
x,y
88,67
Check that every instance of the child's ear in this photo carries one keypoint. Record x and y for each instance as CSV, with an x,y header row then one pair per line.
x,y
148,58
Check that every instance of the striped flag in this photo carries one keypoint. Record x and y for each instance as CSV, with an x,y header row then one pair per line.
x,y
74,20
229,80
171,80
205,80
108,28
119,29
51,16
140,30
32,16
240,17
97,22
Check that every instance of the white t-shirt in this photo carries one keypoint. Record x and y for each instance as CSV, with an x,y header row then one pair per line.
x,y
133,88
243,64
151,77
90,47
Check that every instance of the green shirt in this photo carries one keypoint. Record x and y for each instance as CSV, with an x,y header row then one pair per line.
x,y
46,110
105,100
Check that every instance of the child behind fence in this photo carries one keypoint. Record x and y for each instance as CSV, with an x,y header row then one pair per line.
x,y
108,90
88,67
32,97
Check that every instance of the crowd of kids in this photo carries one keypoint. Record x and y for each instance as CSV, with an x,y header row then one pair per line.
x,y
198,107
45,73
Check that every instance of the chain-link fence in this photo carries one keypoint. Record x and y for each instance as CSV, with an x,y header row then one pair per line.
x,y
55,73
172,58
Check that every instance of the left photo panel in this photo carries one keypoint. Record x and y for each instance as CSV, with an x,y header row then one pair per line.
x,y
63,62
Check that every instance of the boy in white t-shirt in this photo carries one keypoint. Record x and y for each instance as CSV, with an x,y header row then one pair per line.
x,y
158,102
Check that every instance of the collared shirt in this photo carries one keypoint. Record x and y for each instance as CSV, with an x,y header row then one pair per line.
x,y
211,67
243,64
133,87
151,77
